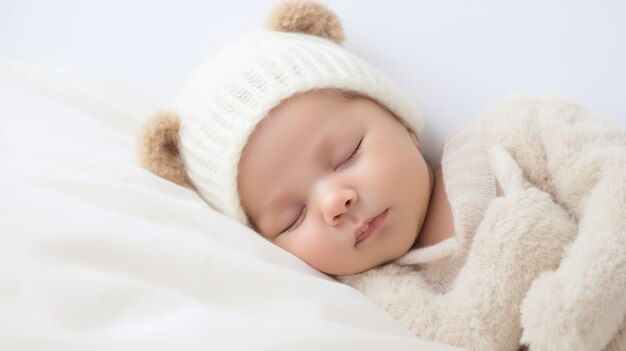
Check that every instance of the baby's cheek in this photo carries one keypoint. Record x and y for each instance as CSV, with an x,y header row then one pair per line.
x,y
316,246
374,177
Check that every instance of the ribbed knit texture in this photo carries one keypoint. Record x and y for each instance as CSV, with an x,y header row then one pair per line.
x,y
223,102
471,186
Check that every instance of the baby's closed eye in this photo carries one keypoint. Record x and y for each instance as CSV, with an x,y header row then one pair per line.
x,y
352,157
296,222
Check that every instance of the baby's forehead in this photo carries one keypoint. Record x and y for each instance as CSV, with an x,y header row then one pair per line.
x,y
295,129
324,111
313,99
311,109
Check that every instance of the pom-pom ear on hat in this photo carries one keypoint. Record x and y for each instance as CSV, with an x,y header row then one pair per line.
x,y
158,148
307,17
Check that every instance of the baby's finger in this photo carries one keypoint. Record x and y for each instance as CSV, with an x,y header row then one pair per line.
x,y
506,170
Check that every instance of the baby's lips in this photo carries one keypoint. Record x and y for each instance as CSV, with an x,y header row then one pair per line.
x,y
361,229
365,226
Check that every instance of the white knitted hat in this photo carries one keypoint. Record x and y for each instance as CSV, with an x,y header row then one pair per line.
x,y
222,103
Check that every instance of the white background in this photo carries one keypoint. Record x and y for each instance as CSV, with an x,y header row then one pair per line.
x,y
455,58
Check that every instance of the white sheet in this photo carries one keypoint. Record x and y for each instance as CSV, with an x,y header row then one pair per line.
x,y
97,253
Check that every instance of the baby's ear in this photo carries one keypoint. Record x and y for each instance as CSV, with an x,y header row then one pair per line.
x,y
158,148
305,16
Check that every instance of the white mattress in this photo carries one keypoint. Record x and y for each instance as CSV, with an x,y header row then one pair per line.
x,y
97,253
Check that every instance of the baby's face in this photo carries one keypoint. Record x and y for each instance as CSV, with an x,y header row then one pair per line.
x,y
338,182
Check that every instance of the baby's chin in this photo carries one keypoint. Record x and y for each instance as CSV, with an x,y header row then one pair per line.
x,y
367,267
351,270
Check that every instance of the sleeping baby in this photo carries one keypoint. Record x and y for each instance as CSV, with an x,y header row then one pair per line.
x,y
517,239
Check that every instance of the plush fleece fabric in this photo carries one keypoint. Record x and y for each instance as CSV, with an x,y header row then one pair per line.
x,y
538,194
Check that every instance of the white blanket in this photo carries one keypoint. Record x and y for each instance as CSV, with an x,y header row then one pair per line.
x,y
97,253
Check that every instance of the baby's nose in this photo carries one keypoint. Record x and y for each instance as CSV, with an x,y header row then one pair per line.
x,y
337,203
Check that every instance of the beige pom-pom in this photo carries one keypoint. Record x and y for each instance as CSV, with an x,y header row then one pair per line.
x,y
305,16
158,148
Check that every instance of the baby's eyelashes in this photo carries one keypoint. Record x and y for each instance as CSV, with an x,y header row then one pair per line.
x,y
296,222
352,156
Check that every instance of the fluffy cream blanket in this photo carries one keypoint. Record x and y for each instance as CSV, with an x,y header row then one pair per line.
x,y
547,267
